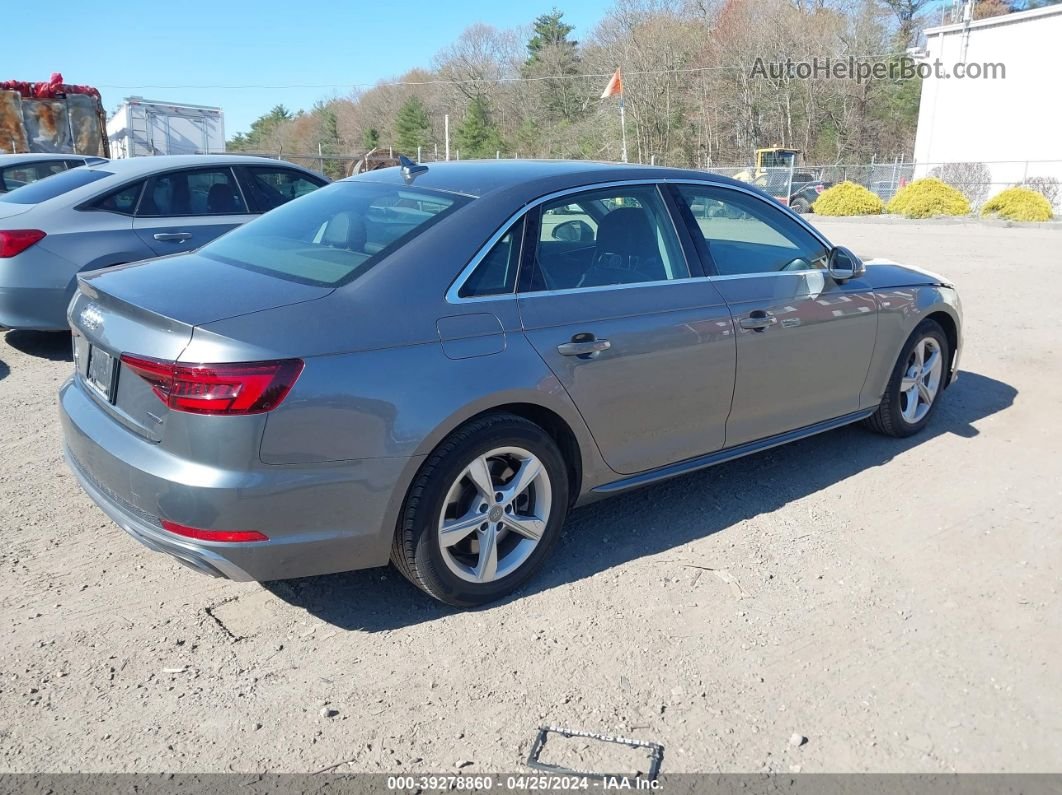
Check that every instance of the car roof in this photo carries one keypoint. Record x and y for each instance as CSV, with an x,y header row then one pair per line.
x,y
43,157
478,178
142,166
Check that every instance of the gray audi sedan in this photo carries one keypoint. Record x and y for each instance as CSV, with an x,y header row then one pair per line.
x,y
432,365
120,211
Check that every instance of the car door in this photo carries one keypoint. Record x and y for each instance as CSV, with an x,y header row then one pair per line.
x,y
642,342
183,210
804,340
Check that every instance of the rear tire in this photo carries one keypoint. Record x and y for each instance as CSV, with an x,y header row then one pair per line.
x,y
484,511
917,381
800,206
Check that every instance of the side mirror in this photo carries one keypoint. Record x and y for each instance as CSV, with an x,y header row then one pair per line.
x,y
573,231
844,265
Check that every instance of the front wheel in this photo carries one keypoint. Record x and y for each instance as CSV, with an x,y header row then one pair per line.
x,y
483,512
917,380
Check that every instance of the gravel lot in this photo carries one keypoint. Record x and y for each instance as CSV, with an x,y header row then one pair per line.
x,y
895,602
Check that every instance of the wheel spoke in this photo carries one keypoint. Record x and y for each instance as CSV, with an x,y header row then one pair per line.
x,y
907,383
479,474
919,354
528,526
523,478
924,393
487,567
456,530
932,364
911,410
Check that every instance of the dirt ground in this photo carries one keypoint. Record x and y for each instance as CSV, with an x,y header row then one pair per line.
x,y
894,602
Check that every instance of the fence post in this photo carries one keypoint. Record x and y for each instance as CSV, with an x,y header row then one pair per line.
x,y
420,158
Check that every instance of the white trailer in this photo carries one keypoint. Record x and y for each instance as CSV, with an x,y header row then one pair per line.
x,y
144,127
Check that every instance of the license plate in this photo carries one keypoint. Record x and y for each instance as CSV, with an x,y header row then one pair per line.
x,y
100,374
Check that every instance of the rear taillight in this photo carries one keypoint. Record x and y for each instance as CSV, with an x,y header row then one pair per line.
x,y
238,388
212,535
15,241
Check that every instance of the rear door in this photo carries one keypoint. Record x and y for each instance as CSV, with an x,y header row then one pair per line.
x,y
804,341
642,343
183,210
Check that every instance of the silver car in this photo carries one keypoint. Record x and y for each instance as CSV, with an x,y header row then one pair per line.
x,y
19,170
122,211
433,365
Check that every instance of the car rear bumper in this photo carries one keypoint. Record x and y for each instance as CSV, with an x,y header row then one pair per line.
x,y
34,308
319,519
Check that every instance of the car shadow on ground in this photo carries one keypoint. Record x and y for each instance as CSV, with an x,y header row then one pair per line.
x,y
51,345
4,370
654,519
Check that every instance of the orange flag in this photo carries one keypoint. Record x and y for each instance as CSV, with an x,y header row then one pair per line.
x,y
615,86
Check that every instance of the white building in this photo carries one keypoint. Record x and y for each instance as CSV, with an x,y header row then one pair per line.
x,y
1012,124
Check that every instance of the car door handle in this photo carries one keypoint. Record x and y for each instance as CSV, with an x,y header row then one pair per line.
x,y
587,348
173,237
757,321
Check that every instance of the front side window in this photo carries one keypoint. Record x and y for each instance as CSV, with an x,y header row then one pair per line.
x,y
268,188
335,234
746,235
606,237
208,191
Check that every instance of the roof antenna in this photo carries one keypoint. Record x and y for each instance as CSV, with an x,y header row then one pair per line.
x,y
410,170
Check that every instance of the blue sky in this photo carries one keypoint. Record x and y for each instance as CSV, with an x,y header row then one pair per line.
x,y
129,49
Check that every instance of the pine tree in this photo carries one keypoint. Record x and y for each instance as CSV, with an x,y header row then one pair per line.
x,y
371,138
412,126
550,52
550,32
477,136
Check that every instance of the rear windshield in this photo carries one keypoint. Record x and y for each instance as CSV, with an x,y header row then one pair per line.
x,y
56,185
334,234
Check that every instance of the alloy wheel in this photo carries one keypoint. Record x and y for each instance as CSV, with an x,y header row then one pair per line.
x,y
494,514
921,380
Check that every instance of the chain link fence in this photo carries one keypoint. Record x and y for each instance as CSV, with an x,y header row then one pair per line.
x,y
978,181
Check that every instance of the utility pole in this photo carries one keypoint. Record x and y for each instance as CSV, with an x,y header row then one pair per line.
x,y
446,126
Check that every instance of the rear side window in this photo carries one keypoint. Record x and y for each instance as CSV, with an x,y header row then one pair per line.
x,y
121,201
268,188
335,234
46,189
208,191
496,272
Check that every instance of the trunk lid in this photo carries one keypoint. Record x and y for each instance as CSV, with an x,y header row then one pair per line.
x,y
194,289
10,210
151,310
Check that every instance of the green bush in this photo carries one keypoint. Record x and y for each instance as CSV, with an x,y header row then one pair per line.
x,y
848,198
926,198
1018,204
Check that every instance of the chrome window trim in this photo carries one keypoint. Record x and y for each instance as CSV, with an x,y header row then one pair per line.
x,y
603,287
452,294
